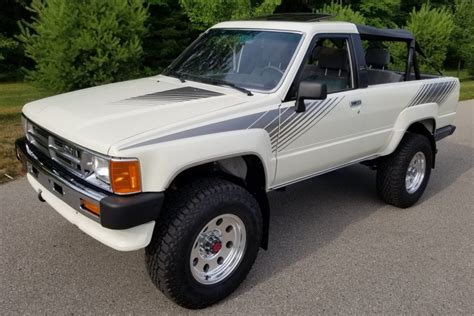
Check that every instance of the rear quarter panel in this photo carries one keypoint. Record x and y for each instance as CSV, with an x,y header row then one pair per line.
x,y
435,99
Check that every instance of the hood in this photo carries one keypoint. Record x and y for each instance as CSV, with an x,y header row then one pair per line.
x,y
98,117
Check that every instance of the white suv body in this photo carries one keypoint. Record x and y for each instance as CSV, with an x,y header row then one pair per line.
x,y
172,123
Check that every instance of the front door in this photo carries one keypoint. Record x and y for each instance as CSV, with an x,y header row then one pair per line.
x,y
330,132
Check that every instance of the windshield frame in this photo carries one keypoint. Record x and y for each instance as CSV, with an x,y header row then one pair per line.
x,y
166,72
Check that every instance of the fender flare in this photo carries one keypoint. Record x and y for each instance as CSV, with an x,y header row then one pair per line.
x,y
408,117
168,159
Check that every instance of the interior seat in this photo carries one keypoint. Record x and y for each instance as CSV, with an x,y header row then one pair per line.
x,y
328,65
333,68
378,59
310,70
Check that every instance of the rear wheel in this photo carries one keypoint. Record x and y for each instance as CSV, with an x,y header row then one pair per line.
x,y
205,243
402,177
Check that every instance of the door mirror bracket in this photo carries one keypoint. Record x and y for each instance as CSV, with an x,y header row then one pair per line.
x,y
309,90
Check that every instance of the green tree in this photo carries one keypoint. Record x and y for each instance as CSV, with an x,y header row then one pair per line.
x,y
461,46
205,13
6,45
343,12
380,13
407,6
432,28
78,44
169,33
12,57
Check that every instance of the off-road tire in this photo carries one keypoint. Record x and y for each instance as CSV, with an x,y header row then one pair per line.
x,y
392,171
185,213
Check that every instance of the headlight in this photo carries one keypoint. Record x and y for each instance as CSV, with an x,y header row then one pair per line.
x,y
100,166
121,175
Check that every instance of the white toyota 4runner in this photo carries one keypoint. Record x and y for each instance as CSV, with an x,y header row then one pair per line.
x,y
180,163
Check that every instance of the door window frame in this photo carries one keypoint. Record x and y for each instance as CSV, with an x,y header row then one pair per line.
x,y
353,63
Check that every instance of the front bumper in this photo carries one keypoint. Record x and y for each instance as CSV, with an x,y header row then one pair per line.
x,y
125,222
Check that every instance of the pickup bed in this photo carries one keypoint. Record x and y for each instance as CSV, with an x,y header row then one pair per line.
x,y
180,163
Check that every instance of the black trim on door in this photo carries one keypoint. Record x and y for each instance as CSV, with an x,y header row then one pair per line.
x,y
359,62
355,61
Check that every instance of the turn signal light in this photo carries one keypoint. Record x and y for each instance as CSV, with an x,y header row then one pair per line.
x,y
125,176
91,207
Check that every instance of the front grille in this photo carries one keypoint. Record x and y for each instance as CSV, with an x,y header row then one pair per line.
x,y
59,150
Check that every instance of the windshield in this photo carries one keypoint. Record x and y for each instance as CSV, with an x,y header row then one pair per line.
x,y
243,58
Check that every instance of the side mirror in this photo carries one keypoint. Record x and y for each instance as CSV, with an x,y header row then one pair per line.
x,y
309,90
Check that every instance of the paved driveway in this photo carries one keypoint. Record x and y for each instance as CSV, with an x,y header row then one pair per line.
x,y
335,248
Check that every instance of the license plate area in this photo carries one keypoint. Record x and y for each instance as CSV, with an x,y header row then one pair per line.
x,y
58,188
63,191
50,184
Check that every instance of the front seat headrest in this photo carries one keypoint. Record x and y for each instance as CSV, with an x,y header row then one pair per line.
x,y
332,58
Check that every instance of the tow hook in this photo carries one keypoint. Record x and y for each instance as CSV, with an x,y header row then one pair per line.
x,y
40,197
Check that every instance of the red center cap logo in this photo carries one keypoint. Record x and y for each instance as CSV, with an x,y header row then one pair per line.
x,y
216,247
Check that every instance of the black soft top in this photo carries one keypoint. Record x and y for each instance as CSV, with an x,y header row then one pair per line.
x,y
373,33
376,34
400,35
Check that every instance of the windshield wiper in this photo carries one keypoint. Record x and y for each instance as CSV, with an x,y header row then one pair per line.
x,y
177,75
180,77
221,82
214,81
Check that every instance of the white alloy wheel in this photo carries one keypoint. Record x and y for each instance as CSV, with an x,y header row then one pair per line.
x,y
218,249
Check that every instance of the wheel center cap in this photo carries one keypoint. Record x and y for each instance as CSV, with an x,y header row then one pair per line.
x,y
216,247
211,245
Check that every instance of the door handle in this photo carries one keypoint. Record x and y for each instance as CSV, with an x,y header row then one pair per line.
x,y
356,103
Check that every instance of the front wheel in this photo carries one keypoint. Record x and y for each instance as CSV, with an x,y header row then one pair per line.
x,y
205,243
403,176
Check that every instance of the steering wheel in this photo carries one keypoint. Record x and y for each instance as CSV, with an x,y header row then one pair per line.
x,y
272,68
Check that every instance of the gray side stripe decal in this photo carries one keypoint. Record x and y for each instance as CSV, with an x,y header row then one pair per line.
x,y
441,90
421,93
265,120
289,119
312,109
322,110
294,125
224,126
447,93
437,92
177,95
289,128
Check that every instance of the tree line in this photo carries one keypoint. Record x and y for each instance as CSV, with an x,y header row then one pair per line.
x,y
63,45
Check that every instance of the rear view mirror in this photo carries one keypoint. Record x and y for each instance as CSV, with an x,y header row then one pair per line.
x,y
309,90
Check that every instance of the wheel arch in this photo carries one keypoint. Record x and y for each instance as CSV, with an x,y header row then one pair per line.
x,y
427,125
419,120
427,128
246,170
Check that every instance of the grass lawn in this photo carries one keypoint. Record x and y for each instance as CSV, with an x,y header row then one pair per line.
x,y
467,90
14,95
467,83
